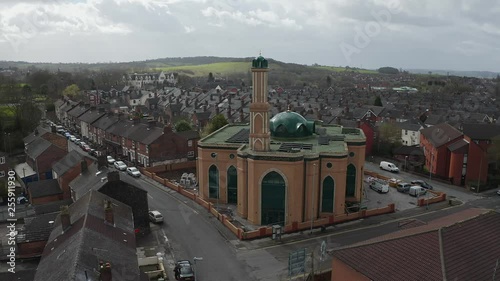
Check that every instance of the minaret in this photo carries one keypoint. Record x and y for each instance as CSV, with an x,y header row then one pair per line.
x,y
259,138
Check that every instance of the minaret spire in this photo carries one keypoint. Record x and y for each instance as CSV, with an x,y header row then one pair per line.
x,y
259,138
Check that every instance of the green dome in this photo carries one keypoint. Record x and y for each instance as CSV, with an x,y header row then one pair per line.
x,y
290,124
259,62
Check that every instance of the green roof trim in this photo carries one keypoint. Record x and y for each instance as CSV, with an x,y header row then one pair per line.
x,y
259,62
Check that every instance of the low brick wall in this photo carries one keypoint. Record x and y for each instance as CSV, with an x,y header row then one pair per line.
x,y
426,201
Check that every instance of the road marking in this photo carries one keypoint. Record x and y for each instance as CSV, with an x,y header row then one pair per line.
x,y
196,212
150,196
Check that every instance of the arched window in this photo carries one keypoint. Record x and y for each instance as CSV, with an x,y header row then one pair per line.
x,y
232,185
350,185
273,199
328,195
213,182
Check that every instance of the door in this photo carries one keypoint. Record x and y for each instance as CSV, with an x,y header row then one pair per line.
x,y
273,199
232,185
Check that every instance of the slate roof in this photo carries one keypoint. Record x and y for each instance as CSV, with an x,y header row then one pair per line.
x,y
52,207
415,253
203,116
69,161
91,116
36,228
144,134
78,110
440,134
123,128
433,119
75,253
481,131
37,147
44,188
409,126
190,135
459,146
105,122
68,106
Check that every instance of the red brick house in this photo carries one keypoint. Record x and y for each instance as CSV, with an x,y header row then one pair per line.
x,y
439,250
435,141
469,156
68,168
370,132
41,155
33,236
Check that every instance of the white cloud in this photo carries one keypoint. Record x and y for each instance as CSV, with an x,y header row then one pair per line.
x,y
189,29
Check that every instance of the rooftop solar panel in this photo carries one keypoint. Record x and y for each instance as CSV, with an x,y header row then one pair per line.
x,y
240,137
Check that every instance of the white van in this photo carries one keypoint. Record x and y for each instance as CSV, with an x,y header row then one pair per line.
x,y
388,166
379,186
417,190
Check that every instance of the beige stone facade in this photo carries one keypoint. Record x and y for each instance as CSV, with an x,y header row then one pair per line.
x,y
282,170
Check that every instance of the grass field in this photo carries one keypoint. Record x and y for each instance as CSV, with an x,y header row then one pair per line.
x,y
342,69
219,68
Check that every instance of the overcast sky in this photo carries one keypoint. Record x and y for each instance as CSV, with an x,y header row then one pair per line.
x,y
431,34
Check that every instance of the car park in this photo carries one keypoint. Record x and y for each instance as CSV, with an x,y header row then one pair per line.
x,y
120,165
133,171
417,190
186,272
422,183
379,186
110,160
155,217
403,187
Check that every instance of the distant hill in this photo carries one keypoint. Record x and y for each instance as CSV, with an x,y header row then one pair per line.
x,y
478,74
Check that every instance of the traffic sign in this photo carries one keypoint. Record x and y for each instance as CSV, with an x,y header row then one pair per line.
x,y
297,262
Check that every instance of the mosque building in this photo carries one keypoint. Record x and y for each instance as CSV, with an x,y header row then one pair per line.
x,y
283,169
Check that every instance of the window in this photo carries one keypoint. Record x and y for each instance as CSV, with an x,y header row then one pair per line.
x,y
2,174
406,132
413,133
2,160
213,182
329,165
190,153
190,143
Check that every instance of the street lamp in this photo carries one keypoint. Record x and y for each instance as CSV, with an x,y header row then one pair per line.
x,y
312,198
196,267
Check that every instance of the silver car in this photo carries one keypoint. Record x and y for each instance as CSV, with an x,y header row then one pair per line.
x,y
120,165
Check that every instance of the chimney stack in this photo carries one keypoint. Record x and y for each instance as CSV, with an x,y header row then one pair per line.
x,y
105,272
83,166
65,218
101,162
108,213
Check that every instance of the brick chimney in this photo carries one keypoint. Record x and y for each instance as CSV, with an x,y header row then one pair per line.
x,y
105,271
65,218
109,216
113,176
83,166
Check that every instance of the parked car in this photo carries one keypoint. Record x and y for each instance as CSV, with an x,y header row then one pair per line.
x,y
133,171
422,184
417,190
403,187
82,144
186,272
155,217
67,134
388,166
498,192
120,165
72,138
379,186
77,140
110,160
86,147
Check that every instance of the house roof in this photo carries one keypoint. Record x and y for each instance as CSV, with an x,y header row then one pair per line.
x,y
56,139
52,207
145,134
78,110
433,119
74,254
481,131
69,161
91,116
415,253
105,122
203,116
410,126
440,134
37,147
36,228
190,135
459,146
44,188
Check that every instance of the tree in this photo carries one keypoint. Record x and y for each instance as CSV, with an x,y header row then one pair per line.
x,y
182,126
211,77
378,101
388,70
216,123
389,138
71,91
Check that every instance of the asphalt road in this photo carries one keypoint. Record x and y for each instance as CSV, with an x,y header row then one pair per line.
x,y
188,232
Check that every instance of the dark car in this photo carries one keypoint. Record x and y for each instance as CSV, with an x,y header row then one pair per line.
x,y
186,272
422,184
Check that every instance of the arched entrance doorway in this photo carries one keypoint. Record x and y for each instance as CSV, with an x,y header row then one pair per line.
x,y
328,195
232,185
273,199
